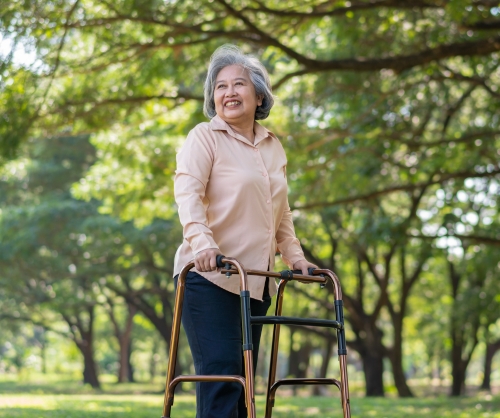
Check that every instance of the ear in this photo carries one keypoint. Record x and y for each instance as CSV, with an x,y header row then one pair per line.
x,y
260,99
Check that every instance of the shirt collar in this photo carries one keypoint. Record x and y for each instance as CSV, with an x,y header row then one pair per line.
x,y
261,133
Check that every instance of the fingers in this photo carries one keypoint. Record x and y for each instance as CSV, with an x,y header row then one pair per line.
x,y
213,263
304,266
206,260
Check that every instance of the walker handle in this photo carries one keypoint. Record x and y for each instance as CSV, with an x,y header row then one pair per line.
x,y
310,271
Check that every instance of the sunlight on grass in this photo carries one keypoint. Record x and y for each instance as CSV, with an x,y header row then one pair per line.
x,y
148,406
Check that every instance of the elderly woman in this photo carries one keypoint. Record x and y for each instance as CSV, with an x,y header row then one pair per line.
x,y
231,190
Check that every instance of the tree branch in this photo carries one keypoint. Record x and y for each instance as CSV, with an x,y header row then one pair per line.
x,y
341,11
437,179
480,239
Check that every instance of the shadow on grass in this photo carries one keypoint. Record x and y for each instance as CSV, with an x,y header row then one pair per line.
x,y
148,406
71,387
90,406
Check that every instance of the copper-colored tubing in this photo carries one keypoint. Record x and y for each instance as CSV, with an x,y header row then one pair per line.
x,y
298,277
335,280
248,381
274,350
344,384
207,378
174,339
344,387
306,381
272,384
170,383
247,354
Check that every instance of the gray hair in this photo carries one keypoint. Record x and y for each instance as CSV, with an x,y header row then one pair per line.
x,y
231,55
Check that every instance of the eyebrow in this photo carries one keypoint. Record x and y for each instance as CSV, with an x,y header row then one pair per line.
x,y
237,78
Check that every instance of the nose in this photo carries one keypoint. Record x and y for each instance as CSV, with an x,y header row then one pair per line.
x,y
230,91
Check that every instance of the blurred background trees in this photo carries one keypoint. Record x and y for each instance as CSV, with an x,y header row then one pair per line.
x,y
389,113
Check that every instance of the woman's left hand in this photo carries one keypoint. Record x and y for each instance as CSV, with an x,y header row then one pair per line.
x,y
304,265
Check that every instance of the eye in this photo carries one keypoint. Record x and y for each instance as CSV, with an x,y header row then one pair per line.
x,y
220,86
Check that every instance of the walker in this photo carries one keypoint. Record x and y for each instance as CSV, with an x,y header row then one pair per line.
x,y
232,266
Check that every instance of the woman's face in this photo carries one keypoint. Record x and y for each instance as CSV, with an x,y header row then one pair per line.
x,y
234,95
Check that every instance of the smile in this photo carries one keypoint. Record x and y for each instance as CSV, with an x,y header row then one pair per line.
x,y
233,103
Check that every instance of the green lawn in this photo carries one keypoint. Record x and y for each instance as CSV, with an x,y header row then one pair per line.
x,y
32,400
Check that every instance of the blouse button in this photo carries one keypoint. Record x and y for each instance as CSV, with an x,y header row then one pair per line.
x,y
264,174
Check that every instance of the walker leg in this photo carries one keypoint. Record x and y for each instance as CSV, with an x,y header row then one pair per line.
x,y
344,387
168,400
270,396
342,350
247,352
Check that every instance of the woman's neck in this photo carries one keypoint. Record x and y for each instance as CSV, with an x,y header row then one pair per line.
x,y
245,131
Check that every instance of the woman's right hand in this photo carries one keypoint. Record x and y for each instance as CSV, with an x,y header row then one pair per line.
x,y
206,260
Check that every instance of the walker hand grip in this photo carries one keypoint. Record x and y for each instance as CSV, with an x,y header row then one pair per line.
x,y
310,271
218,260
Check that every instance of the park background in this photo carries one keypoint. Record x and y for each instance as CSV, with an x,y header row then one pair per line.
x,y
389,112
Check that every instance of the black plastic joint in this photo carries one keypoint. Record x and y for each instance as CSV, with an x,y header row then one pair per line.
x,y
339,310
339,313
246,320
218,260
286,275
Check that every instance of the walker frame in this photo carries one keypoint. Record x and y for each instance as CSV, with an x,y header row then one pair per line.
x,y
231,266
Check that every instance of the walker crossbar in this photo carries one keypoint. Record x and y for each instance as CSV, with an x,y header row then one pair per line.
x,y
299,381
305,381
229,267
288,320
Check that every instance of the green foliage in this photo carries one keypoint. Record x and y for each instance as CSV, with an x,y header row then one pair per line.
x,y
388,111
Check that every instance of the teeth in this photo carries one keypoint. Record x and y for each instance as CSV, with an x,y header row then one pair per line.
x,y
232,103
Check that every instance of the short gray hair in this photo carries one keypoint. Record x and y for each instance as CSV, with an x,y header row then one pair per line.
x,y
231,55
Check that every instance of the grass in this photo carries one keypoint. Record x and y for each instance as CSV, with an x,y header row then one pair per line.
x,y
67,399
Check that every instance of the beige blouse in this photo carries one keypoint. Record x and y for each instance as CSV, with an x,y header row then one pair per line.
x,y
232,195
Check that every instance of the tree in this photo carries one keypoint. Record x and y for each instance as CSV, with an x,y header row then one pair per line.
x,y
383,104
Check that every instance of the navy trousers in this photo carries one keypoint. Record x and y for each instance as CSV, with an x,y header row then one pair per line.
x,y
211,317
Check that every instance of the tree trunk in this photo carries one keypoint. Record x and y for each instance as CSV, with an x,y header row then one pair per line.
x,y
153,360
491,349
369,346
396,358
298,360
458,362
123,370
373,367
324,364
89,366
130,376
124,339
43,356
84,340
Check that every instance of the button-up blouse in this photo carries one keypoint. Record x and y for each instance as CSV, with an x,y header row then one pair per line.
x,y
232,195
